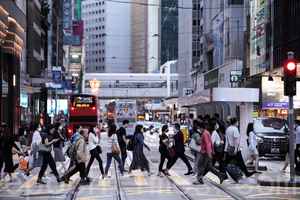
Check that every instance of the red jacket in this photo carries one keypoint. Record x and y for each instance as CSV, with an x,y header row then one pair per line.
x,y
206,143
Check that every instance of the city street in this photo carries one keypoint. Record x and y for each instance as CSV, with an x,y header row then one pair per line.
x,y
139,185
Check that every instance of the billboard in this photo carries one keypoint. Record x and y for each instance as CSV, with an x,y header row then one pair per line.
x,y
259,51
126,109
272,94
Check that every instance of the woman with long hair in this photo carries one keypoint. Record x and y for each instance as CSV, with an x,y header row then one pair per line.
x,y
252,146
45,149
163,148
114,149
139,160
95,150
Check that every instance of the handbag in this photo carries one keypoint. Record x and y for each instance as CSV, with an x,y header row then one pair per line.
x,y
44,148
172,152
130,145
218,148
194,146
231,150
115,149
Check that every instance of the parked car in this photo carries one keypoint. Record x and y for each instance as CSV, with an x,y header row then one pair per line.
x,y
272,136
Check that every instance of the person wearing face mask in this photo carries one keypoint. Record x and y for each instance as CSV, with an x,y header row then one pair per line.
x,y
232,147
36,157
163,148
179,151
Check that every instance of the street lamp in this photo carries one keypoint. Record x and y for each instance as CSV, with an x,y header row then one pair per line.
x,y
94,84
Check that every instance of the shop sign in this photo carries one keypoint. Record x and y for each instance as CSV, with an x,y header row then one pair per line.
x,y
56,74
235,76
24,100
259,14
211,79
273,105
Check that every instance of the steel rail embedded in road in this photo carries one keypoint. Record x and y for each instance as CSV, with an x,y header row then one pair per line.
x,y
179,189
219,186
118,191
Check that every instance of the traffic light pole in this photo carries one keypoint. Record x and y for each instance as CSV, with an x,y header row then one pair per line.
x,y
291,139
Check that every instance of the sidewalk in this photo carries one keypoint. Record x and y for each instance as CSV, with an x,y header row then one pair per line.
x,y
277,179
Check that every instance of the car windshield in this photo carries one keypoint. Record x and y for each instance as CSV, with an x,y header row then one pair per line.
x,y
270,125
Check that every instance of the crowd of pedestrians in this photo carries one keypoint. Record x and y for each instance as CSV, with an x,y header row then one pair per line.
x,y
215,145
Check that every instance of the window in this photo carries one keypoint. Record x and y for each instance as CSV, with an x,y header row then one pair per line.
x,y
235,2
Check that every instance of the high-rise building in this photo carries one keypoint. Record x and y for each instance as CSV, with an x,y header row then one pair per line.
x,y
139,33
107,36
169,30
12,40
55,34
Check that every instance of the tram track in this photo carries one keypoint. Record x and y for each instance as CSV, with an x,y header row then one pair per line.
x,y
225,189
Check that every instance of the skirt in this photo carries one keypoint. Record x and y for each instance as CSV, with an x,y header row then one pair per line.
x,y
59,155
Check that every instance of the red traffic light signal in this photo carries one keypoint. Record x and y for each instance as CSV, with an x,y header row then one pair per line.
x,y
290,77
290,68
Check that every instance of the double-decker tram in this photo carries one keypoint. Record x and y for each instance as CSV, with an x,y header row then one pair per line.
x,y
83,111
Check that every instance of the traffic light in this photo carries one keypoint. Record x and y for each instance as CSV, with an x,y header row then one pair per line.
x,y
290,77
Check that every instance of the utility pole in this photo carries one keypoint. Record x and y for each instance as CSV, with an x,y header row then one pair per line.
x,y
290,90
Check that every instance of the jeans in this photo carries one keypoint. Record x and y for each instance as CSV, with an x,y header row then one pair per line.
x,y
94,154
205,165
77,167
48,160
109,159
183,157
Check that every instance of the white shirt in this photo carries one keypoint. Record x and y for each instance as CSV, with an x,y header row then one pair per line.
x,y
297,135
252,141
215,138
36,138
94,141
113,140
233,137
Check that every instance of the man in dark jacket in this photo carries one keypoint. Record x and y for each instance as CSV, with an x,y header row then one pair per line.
x,y
121,134
179,151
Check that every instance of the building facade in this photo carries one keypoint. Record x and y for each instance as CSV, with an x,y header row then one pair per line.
x,y
107,42
12,40
139,33
169,30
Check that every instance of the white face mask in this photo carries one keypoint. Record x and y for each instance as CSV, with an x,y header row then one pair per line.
x,y
39,129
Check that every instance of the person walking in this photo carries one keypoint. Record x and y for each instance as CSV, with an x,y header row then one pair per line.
x,y
121,134
232,147
252,146
205,162
58,146
195,145
163,148
218,142
179,151
8,146
78,153
114,151
95,150
45,148
139,160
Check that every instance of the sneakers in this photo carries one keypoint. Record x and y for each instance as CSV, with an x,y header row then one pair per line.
x,y
189,173
249,174
40,181
83,182
198,182
166,172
